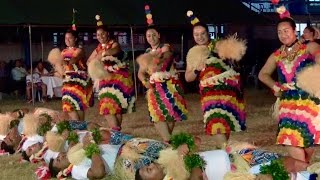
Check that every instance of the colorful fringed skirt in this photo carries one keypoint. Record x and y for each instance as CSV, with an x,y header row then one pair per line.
x,y
165,101
77,92
116,95
223,107
299,121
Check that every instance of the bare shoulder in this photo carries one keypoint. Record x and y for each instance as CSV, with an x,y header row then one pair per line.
x,y
166,47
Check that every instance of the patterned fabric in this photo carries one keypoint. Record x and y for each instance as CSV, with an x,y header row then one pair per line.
x,y
78,125
256,156
165,96
117,137
222,100
77,89
298,123
116,94
135,154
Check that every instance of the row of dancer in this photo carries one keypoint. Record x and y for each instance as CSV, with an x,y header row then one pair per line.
x,y
222,105
220,89
221,97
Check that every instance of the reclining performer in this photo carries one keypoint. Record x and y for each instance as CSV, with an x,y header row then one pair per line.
x,y
145,159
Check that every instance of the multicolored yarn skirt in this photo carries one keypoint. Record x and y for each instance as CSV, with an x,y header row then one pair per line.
x,y
223,109
165,102
77,92
299,121
116,95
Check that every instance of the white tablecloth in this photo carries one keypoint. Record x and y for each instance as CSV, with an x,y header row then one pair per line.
x,y
52,83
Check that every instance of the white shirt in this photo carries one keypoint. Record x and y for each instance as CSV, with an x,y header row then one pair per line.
x,y
35,77
217,164
41,73
18,73
108,153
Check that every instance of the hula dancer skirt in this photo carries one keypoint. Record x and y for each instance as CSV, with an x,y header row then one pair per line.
x,y
223,109
76,92
90,93
298,119
116,95
165,102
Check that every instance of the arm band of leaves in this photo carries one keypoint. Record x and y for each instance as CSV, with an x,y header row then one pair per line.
x,y
97,137
182,138
73,137
194,161
276,170
63,125
92,149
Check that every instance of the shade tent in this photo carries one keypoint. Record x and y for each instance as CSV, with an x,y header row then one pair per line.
x,y
124,12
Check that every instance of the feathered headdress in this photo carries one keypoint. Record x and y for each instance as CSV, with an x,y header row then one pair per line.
x,y
283,12
193,19
74,11
148,15
99,22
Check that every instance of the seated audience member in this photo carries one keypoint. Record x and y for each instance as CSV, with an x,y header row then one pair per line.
x,y
18,74
38,85
40,69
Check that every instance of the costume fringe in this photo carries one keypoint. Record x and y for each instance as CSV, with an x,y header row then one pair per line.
x,y
173,164
241,164
231,48
145,60
55,57
127,153
314,168
76,154
309,80
31,124
55,141
196,57
5,120
238,176
52,113
275,109
96,70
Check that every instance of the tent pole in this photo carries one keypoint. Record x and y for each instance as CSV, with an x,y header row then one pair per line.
x,y
30,52
134,64
182,41
42,48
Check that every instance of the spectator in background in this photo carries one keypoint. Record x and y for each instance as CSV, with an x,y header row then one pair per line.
x,y
309,35
35,80
41,70
18,74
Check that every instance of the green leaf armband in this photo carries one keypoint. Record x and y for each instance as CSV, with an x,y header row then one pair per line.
x,y
92,149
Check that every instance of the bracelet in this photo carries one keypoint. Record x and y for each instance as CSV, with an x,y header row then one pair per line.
x,y
145,82
276,87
